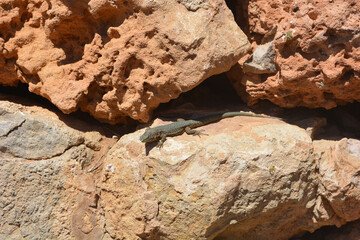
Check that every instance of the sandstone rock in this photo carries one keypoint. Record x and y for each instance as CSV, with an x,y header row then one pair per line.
x,y
254,178
116,59
30,138
316,53
250,177
44,191
340,181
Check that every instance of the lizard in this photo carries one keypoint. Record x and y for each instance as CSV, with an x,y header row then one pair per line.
x,y
160,133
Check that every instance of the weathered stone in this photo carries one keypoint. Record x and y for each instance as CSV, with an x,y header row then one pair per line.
x,y
51,198
8,122
339,179
250,177
262,60
32,137
316,47
116,59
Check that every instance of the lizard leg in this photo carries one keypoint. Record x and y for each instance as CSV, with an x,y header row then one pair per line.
x,y
161,141
191,131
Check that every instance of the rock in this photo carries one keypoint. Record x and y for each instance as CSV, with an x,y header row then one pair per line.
x,y
30,138
315,52
340,180
249,177
116,59
44,191
9,122
262,60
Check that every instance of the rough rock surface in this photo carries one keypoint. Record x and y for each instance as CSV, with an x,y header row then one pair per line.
x,y
339,170
44,191
254,178
251,177
316,51
29,138
115,59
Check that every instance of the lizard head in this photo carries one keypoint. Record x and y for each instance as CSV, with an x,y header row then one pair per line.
x,y
149,135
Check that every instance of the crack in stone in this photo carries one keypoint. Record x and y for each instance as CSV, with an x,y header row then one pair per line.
x,y
14,128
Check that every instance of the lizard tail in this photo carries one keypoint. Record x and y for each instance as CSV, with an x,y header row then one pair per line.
x,y
246,114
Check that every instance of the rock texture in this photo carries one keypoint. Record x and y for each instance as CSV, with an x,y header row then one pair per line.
x,y
315,52
339,170
254,178
44,191
251,177
115,59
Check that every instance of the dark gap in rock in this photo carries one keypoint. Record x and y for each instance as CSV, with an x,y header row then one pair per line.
x,y
20,93
341,122
239,8
346,118
350,230
348,75
214,94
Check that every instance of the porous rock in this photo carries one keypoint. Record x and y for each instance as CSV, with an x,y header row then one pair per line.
x,y
115,59
316,49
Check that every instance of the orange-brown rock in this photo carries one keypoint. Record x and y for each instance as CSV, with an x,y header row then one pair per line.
x,y
315,50
115,59
339,180
256,178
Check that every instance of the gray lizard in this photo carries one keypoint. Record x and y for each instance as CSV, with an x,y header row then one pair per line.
x,y
177,128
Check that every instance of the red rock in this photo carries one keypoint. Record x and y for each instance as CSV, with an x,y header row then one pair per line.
x,y
316,47
116,59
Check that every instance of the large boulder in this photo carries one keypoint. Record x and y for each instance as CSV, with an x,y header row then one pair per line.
x,y
116,59
250,177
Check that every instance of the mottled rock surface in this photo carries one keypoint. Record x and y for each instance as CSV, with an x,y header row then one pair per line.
x,y
115,59
339,174
254,178
45,192
63,177
250,177
316,53
29,138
